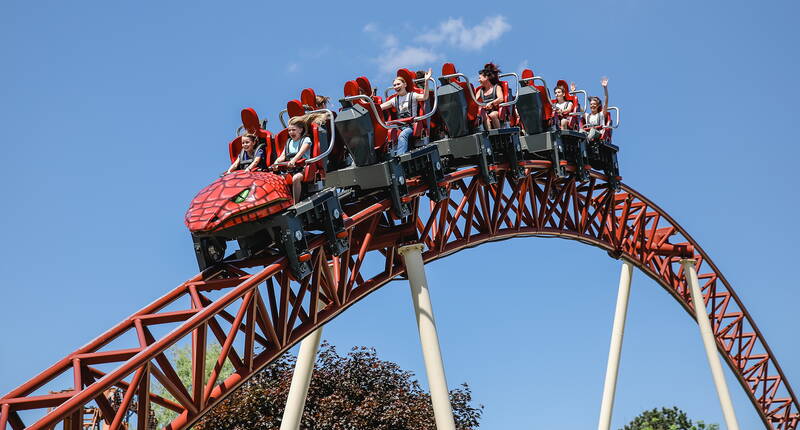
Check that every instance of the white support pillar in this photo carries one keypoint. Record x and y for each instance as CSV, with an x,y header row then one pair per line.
x,y
710,344
434,367
301,379
615,350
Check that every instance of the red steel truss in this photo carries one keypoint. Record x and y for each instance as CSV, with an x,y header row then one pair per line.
x,y
257,311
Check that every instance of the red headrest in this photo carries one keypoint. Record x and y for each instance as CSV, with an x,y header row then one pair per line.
x,y
562,83
527,73
448,69
409,77
250,120
252,125
350,89
309,98
295,108
364,85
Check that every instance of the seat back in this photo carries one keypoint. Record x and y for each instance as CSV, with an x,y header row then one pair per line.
x,y
576,106
505,111
309,98
251,125
420,127
295,108
546,106
456,107
319,143
359,128
533,107
366,88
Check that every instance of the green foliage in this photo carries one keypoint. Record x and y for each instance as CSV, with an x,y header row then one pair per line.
x,y
356,391
666,419
182,361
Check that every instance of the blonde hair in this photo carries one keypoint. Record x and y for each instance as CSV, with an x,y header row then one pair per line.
x,y
401,79
322,100
300,122
250,136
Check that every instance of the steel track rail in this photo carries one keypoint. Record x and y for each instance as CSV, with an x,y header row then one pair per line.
x,y
257,311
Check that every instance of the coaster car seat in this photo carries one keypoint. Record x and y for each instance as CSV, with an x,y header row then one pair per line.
x,y
319,143
576,106
533,107
359,125
251,125
420,128
458,108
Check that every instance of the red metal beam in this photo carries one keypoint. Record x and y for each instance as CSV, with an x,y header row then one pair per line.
x,y
625,224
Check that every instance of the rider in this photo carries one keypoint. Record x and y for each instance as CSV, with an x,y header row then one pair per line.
x,y
405,103
298,146
491,93
562,106
251,157
595,119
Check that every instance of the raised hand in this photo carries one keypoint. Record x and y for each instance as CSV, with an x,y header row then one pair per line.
x,y
604,81
572,86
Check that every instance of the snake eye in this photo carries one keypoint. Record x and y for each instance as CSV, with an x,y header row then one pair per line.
x,y
241,196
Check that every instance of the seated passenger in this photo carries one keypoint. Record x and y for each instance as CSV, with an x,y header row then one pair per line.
x,y
595,119
322,102
405,103
251,157
491,93
562,106
298,147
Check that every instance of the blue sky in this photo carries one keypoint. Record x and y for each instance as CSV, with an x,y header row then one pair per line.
x,y
112,115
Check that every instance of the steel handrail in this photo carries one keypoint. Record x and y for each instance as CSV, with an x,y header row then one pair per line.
x,y
585,99
280,117
539,78
516,92
435,102
375,111
615,109
471,92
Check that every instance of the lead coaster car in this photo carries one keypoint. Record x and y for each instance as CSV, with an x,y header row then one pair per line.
x,y
256,210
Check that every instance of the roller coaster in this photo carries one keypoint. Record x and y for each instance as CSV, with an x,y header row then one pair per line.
x,y
298,264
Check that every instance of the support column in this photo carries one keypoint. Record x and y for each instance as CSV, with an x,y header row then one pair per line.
x,y
710,344
434,367
303,369
615,350
301,379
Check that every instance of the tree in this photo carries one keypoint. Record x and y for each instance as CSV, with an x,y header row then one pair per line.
x,y
356,391
666,419
182,360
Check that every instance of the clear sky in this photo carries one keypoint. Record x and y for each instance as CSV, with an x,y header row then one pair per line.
x,y
114,114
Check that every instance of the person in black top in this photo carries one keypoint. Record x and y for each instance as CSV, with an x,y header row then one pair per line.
x,y
491,93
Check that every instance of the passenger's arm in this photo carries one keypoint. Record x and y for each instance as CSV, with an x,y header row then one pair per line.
x,y
424,95
604,83
303,148
253,164
386,105
500,96
281,157
233,167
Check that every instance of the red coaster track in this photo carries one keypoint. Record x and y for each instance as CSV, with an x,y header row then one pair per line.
x,y
258,315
